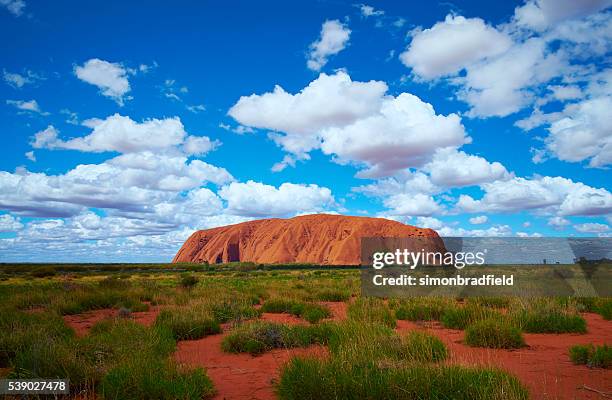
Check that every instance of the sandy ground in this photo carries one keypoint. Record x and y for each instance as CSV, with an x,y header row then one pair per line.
x,y
543,366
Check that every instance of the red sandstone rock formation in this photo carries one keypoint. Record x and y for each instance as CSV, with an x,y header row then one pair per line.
x,y
317,239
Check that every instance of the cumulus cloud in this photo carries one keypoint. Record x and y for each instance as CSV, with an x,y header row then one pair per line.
x,y
413,205
452,168
558,222
255,199
8,223
481,219
123,135
110,78
546,194
430,222
333,39
592,227
30,156
449,46
27,106
541,14
359,124
20,80
584,133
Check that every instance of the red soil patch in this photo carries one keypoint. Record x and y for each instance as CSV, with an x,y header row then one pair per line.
x,y
242,376
544,366
239,376
82,323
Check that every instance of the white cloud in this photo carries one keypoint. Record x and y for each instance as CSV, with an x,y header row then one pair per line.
x,y
412,205
19,80
27,106
541,14
369,11
430,222
255,199
110,78
558,222
8,223
453,168
592,227
548,194
15,7
30,156
196,108
498,87
585,133
124,135
359,123
494,231
449,46
481,219
333,39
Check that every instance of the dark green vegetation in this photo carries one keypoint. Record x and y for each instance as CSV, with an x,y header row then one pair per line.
x,y
311,312
368,358
592,356
494,333
260,336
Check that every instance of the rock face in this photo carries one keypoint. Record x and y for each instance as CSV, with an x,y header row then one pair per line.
x,y
317,239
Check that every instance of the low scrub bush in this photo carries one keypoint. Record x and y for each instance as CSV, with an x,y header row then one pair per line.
x,y
332,294
592,356
371,310
458,317
422,347
188,281
188,323
421,309
234,310
495,334
313,378
549,321
260,336
144,378
311,312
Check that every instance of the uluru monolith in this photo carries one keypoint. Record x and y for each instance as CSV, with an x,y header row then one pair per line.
x,y
315,239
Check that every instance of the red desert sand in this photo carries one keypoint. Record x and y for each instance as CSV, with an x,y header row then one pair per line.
x,y
543,366
317,239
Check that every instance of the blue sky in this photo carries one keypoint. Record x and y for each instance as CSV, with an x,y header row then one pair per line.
x,y
125,128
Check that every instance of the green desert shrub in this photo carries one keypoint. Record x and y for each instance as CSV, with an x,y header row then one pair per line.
x,y
234,310
459,317
261,336
422,347
142,378
421,309
549,321
311,312
332,294
371,309
599,356
188,281
490,301
188,323
314,378
604,308
494,333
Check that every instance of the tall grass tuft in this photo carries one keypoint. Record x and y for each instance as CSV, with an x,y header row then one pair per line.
x,y
494,333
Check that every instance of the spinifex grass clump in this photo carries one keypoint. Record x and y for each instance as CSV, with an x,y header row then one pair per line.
x,y
592,356
421,309
234,310
86,298
547,317
371,310
494,333
314,378
260,336
188,323
311,312
142,378
459,317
